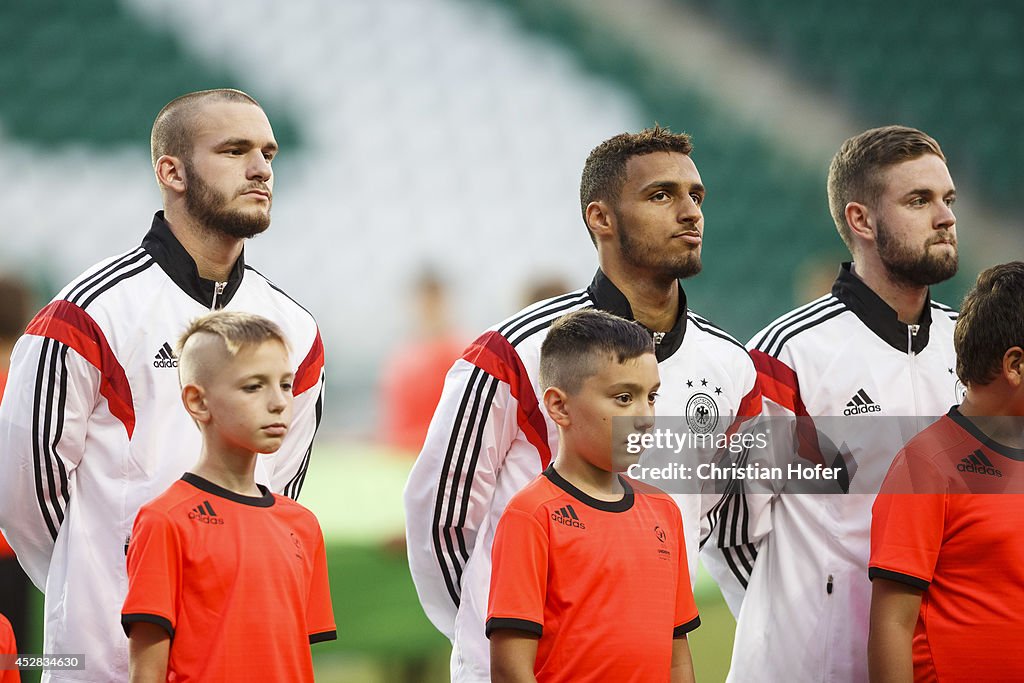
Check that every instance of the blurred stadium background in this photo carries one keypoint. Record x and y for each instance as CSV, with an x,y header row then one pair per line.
x,y
448,136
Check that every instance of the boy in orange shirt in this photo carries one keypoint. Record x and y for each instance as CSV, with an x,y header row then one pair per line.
x,y
590,580
947,556
227,581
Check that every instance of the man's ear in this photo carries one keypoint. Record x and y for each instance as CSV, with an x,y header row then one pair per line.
x,y
556,403
193,397
858,218
600,220
170,173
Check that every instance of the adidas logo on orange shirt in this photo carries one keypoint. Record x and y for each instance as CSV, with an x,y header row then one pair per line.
x,y
204,513
977,462
568,517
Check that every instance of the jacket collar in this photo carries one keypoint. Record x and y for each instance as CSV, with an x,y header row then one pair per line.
x,y
608,297
167,251
877,315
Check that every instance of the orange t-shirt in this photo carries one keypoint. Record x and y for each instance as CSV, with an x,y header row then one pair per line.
x,y
413,380
8,647
947,521
605,585
239,582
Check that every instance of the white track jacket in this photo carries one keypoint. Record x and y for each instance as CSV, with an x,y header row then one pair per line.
x,y
490,436
844,366
92,427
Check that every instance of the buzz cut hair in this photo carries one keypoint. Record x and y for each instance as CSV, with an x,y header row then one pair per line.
x,y
175,124
579,342
236,330
604,172
856,171
991,322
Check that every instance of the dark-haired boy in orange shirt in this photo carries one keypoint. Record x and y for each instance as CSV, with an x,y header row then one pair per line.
x,y
947,556
590,579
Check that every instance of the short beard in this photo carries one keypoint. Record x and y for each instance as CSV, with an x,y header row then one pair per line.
x,y
910,268
642,256
206,205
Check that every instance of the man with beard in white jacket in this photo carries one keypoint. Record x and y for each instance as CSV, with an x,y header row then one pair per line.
x,y
91,424
835,374
641,197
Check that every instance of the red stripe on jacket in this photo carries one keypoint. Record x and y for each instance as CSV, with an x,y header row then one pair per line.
x,y
70,325
492,353
308,372
779,383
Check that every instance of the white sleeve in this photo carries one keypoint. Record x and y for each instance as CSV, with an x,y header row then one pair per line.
x,y
50,395
289,464
451,486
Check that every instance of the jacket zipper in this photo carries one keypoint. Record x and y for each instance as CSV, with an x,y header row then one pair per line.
x,y
911,333
658,336
218,289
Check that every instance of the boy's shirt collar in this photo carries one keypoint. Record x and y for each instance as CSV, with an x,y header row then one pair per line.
x,y
264,500
621,505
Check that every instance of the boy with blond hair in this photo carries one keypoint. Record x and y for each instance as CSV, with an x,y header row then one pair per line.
x,y
226,580
590,579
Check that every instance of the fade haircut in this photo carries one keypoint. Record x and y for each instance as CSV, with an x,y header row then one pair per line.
x,y
175,124
604,172
855,174
991,322
236,331
579,342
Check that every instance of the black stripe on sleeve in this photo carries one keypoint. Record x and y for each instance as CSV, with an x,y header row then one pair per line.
x,y
477,447
58,431
906,579
50,398
79,290
114,282
555,306
461,459
681,630
524,625
322,637
800,312
770,340
714,330
294,485
278,289
790,333
478,413
440,544
128,619
741,577
41,402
